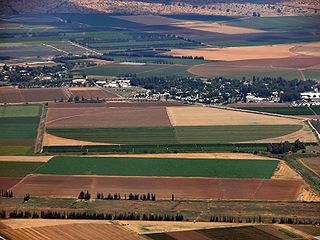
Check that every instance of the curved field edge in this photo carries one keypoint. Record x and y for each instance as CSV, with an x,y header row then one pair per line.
x,y
168,167
176,135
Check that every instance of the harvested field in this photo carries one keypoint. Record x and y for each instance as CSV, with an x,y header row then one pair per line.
x,y
73,231
107,117
92,93
283,171
8,182
182,188
312,163
15,95
112,166
311,229
149,19
25,158
147,227
206,116
247,52
244,156
27,50
51,140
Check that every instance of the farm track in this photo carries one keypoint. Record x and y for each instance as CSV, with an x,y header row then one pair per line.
x,y
40,130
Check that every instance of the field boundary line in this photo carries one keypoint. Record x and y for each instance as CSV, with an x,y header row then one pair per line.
x,y
314,130
40,130
85,48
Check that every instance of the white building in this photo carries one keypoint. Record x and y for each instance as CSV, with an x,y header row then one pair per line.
x,y
311,96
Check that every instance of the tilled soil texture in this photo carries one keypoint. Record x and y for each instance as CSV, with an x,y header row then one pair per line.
x,y
163,187
72,231
97,117
92,93
15,95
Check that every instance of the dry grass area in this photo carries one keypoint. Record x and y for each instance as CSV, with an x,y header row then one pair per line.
x,y
216,27
51,140
312,163
251,52
245,156
285,172
70,231
305,135
308,195
206,116
146,227
25,158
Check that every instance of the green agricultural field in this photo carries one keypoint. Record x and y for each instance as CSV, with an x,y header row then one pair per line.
x,y
287,110
147,70
176,135
18,127
18,169
172,167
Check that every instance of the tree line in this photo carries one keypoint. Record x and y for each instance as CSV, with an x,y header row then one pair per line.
x,y
285,147
93,216
6,193
117,196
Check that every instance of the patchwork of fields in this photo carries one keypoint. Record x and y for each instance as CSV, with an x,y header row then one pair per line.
x,y
153,125
19,124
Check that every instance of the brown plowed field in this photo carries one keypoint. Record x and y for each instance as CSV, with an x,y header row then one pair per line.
x,y
312,163
107,117
15,95
92,93
114,104
8,182
73,231
163,187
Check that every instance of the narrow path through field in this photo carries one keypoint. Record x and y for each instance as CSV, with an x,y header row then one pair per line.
x,y
40,131
55,48
302,75
85,48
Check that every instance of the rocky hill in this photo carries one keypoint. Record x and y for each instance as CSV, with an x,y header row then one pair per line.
x,y
208,7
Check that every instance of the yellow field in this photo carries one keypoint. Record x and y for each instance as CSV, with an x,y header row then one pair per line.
x,y
25,158
51,140
251,52
206,116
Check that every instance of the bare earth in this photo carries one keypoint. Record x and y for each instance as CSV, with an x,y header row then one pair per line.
x,y
206,116
163,187
246,156
251,52
51,140
312,163
73,231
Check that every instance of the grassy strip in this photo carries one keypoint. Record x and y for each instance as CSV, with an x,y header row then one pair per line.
x,y
309,176
20,111
286,110
17,169
176,135
172,167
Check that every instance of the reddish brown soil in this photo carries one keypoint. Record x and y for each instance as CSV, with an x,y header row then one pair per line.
x,y
107,117
115,104
93,93
182,188
15,95
73,231
8,182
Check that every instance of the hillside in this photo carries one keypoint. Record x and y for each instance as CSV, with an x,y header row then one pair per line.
x,y
206,7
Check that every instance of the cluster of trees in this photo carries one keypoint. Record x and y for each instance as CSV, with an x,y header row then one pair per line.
x,y
232,219
93,216
6,193
285,147
224,90
131,196
84,195
26,197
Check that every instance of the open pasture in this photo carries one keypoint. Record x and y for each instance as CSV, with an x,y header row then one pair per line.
x,y
27,95
172,167
146,70
92,93
18,128
72,230
27,50
163,187
176,135
17,169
